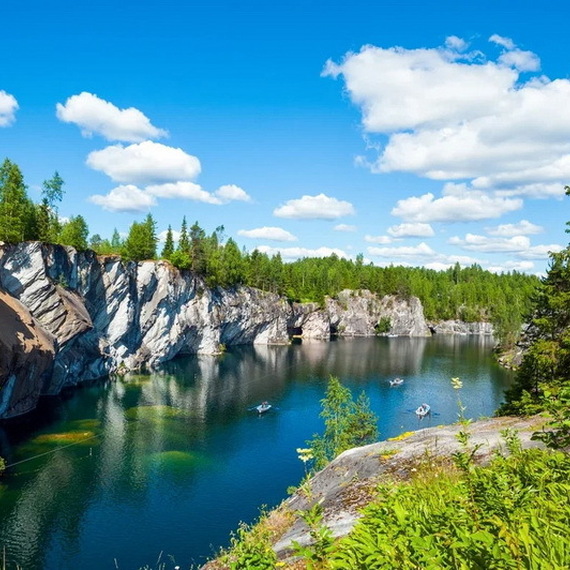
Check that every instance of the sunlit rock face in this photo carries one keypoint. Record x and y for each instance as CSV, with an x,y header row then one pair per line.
x,y
103,314
357,313
26,358
460,327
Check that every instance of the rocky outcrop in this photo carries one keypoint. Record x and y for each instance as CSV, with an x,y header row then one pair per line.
x,y
99,314
460,327
26,357
105,315
349,483
357,313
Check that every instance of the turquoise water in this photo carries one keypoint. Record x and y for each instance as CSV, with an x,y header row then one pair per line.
x,y
163,466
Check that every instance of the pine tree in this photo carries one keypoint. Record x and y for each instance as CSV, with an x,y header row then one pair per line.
x,y
16,210
168,248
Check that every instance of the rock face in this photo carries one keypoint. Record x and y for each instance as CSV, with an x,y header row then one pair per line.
x,y
26,357
460,327
91,315
347,484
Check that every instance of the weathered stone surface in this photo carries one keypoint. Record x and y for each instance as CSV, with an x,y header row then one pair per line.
x,y
460,327
356,313
26,357
104,314
345,485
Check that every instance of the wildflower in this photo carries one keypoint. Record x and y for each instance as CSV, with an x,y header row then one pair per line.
x,y
305,454
456,384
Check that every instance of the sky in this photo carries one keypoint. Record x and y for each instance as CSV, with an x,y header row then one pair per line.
x,y
414,133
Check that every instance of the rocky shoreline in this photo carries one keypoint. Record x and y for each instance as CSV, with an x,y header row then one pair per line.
x,y
78,316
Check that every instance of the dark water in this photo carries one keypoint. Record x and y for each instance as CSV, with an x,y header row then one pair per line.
x,y
166,465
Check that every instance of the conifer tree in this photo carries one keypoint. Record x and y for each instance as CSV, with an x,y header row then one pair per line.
x,y
168,248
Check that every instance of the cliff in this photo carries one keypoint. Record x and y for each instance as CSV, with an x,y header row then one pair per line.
x,y
88,316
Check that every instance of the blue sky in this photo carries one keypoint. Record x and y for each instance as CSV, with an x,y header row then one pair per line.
x,y
417,133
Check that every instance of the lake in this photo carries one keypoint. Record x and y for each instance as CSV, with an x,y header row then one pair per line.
x,y
163,466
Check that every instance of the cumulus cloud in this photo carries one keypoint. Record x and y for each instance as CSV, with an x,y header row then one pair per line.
x,y
458,204
411,230
144,163
540,251
449,114
520,266
182,190
94,115
320,207
127,198
231,192
522,228
162,235
421,250
519,246
421,255
473,242
456,43
378,239
268,232
344,228
300,252
8,108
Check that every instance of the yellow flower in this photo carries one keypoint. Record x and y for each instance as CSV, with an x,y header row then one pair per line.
x,y
456,383
305,454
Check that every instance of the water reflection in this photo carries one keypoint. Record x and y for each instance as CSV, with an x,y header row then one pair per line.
x,y
171,461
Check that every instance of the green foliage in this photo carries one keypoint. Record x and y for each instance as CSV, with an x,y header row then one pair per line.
x,y
17,212
168,248
515,513
315,554
141,241
347,424
384,325
74,233
545,368
250,547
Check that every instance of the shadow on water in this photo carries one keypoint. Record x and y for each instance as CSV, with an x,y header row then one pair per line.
x,y
171,461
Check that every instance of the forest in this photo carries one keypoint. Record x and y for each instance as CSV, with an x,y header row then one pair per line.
x,y
463,293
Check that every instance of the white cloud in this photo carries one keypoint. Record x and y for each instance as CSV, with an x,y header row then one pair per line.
x,y
162,235
522,228
182,190
144,163
420,250
127,198
299,252
507,43
97,116
344,228
231,192
520,266
456,43
473,242
378,239
458,204
452,115
540,251
271,233
411,230
8,108
320,207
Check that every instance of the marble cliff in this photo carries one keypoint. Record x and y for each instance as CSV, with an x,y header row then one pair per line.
x,y
69,317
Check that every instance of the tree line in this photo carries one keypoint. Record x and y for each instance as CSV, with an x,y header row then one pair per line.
x,y
463,293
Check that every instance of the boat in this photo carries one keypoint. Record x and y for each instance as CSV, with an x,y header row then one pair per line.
x,y
263,407
396,382
423,410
